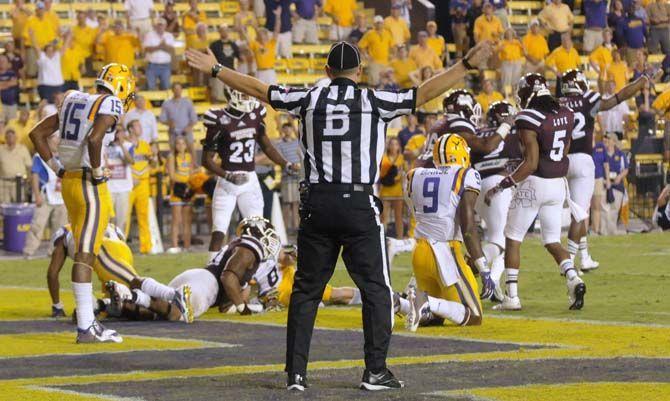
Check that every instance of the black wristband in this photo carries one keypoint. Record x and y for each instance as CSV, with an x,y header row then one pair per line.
x,y
467,64
507,182
216,70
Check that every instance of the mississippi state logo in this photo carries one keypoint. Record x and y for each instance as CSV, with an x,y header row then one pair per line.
x,y
524,196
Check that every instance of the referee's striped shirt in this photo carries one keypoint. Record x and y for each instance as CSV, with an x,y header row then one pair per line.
x,y
343,127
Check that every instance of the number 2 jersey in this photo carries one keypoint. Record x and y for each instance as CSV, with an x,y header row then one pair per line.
x,y
435,195
504,159
77,115
585,107
233,135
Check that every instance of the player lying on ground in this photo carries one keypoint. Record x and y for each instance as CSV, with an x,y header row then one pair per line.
x,y
275,283
223,283
442,200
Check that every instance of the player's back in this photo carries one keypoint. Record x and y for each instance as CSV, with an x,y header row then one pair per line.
x,y
77,115
449,124
504,158
585,106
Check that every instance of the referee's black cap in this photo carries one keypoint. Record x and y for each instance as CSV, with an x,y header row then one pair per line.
x,y
343,56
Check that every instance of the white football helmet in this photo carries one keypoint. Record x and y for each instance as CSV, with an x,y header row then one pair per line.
x,y
240,101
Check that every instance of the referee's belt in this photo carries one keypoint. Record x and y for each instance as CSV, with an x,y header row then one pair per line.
x,y
366,188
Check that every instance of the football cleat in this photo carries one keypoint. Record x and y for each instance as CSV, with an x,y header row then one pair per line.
x,y
57,312
587,264
97,333
182,300
296,382
508,304
576,292
419,309
383,380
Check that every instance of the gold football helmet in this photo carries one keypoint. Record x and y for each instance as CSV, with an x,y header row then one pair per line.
x,y
451,149
119,80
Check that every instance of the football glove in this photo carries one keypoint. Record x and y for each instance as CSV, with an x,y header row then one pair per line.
x,y
488,285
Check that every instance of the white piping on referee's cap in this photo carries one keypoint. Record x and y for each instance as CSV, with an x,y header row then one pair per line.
x,y
342,56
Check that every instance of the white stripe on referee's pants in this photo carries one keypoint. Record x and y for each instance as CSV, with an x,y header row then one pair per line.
x,y
385,268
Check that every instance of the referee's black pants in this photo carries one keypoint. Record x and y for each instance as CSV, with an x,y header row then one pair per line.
x,y
331,221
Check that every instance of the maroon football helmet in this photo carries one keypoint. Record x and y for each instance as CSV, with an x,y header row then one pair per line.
x,y
497,113
574,82
462,103
531,86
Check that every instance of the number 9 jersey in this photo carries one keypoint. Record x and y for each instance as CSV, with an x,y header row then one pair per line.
x,y
77,115
435,195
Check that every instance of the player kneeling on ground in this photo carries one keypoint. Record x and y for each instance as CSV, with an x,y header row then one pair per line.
x,y
275,283
223,283
443,198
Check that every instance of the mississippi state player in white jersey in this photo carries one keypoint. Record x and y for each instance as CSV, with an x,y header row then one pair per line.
x,y
443,202
581,174
86,123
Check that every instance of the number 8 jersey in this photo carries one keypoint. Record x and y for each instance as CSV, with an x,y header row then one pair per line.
x,y
435,195
77,114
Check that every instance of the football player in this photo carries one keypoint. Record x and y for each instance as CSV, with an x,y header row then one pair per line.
x,y
661,216
442,199
223,283
544,127
86,122
114,262
275,283
581,173
233,133
493,167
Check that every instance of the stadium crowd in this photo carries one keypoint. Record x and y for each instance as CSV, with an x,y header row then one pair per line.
x,y
617,41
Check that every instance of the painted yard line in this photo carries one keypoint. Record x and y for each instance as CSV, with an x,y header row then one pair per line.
x,y
654,313
82,394
584,321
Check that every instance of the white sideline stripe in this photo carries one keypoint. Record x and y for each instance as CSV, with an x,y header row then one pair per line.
x,y
20,287
583,321
81,393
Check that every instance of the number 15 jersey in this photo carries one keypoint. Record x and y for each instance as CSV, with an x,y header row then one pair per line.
x,y
436,194
77,115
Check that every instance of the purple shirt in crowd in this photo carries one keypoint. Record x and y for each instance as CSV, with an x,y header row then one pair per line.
x,y
305,8
595,13
634,32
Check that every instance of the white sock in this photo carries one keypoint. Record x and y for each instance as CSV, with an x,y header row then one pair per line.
x,y
491,251
404,306
572,248
356,299
452,311
583,248
141,298
157,290
568,269
407,245
83,301
512,282
498,267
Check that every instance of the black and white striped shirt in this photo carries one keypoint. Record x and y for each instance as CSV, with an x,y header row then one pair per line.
x,y
343,127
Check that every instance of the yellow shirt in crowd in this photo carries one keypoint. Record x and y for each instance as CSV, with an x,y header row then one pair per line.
x,y
415,144
398,28
438,45
342,11
395,190
265,54
535,46
487,29
425,57
563,59
601,56
556,17
44,29
401,70
188,25
15,162
84,39
22,131
662,103
70,63
511,50
183,165
485,100
120,48
53,18
378,45
618,72
142,156
19,20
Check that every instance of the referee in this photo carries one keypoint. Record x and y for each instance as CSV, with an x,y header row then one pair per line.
x,y
343,132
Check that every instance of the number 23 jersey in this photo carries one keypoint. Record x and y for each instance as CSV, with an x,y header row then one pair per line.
x,y
436,194
233,135
77,115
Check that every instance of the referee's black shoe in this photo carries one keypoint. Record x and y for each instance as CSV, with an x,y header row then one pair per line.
x,y
383,380
296,382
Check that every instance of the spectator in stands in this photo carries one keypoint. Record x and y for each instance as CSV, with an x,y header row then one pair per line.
x,y
659,26
436,41
640,11
20,14
415,144
83,38
270,179
618,71
500,10
49,74
616,20
147,121
49,207
562,59
246,23
595,12
391,172
143,160
475,10
613,120
279,12
387,81
190,21
38,31
661,106
376,45
616,170
557,18
598,201
432,106
601,58
179,168
92,19
9,89
408,131
159,47
51,14
641,66
359,29
179,115
15,59
170,16
535,48
511,55
72,63
289,146
423,55
342,13
459,26
138,15
119,159
117,45
488,26
22,125
398,27
265,54
405,9
634,34
488,95
200,78
226,52
15,161
402,66
306,27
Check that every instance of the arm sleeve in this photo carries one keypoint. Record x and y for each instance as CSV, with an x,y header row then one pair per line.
x,y
210,121
254,246
111,106
391,104
472,181
526,120
290,100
